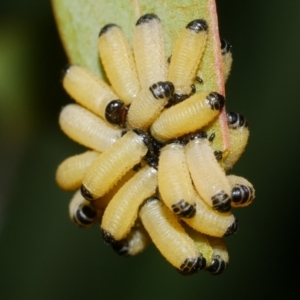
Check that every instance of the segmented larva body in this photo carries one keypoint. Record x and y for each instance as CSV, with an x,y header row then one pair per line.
x,y
118,61
70,172
175,184
170,238
152,174
186,57
82,126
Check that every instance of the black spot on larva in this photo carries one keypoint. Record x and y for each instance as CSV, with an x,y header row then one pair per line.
x,y
192,265
183,209
193,90
116,112
162,90
152,155
212,137
146,19
218,265
199,79
232,228
218,155
85,215
121,247
197,25
184,139
221,202
242,194
215,101
108,237
225,47
143,135
86,193
106,28
236,120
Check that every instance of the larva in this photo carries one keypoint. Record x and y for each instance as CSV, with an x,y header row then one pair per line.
x,y
209,179
70,172
122,210
87,129
170,238
174,181
186,57
187,116
112,164
118,62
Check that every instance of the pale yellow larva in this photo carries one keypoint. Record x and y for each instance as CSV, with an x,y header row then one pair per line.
x,y
87,129
220,256
82,212
112,164
238,135
242,193
122,211
148,105
70,172
186,57
118,61
175,184
187,116
226,58
149,50
211,222
170,238
134,243
88,90
209,178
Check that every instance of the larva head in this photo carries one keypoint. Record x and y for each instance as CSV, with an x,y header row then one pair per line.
x,y
197,25
162,90
232,228
85,215
236,120
87,194
192,265
106,28
242,194
225,47
215,100
146,19
184,209
221,202
218,155
217,266
116,112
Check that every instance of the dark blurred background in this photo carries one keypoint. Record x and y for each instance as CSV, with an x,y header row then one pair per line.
x,y
44,256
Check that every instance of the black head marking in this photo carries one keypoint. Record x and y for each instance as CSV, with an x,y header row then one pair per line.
x,y
86,193
192,265
146,19
218,265
225,47
232,228
85,215
162,90
221,202
236,120
116,112
197,25
106,28
215,100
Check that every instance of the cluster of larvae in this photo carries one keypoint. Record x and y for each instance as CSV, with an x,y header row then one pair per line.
x,y
153,173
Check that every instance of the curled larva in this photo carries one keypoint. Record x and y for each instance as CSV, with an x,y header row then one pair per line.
x,y
149,50
82,212
238,135
211,222
220,257
242,193
122,210
87,129
118,61
134,243
187,116
226,58
174,181
186,57
170,238
94,94
70,172
209,178
112,164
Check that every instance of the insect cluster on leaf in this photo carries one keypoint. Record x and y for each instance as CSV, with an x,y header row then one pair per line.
x,y
153,172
